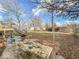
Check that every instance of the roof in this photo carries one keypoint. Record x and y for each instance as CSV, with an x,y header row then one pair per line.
x,y
7,29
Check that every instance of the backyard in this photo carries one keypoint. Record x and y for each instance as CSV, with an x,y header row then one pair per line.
x,y
39,29
68,43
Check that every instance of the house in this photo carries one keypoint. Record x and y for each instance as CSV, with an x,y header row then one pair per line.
x,y
65,29
50,27
35,24
5,29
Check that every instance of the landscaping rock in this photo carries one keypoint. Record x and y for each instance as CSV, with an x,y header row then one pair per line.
x,y
29,50
36,50
26,51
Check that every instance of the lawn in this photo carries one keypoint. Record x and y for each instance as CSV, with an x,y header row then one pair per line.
x,y
68,43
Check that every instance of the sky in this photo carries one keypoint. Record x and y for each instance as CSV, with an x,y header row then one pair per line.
x,y
45,16
28,7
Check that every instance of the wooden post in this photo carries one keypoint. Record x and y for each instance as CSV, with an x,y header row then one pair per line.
x,y
4,38
4,35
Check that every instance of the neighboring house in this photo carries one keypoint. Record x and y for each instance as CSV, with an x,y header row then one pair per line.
x,y
5,29
35,24
50,27
54,27
65,29
32,28
74,27
5,32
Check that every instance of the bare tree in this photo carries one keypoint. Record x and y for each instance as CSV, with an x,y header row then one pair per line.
x,y
12,8
74,27
37,22
50,6
67,8
70,9
15,12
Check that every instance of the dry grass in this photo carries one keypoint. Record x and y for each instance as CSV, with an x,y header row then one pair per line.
x,y
68,43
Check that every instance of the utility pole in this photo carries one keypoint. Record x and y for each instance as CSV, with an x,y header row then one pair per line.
x,y
53,34
53,29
